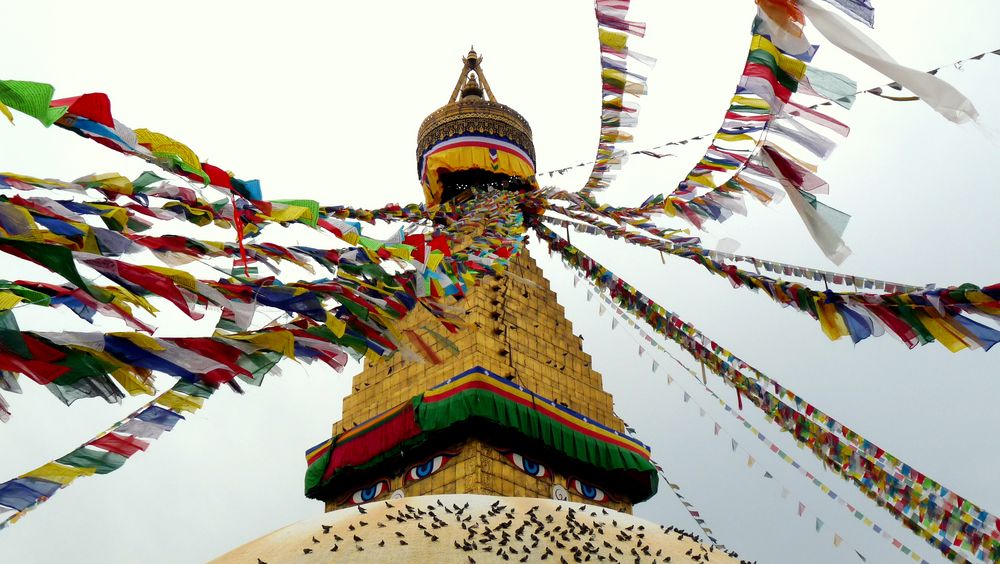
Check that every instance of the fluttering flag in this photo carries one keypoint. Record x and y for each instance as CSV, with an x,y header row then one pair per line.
x,y
802,508
717,429
938,94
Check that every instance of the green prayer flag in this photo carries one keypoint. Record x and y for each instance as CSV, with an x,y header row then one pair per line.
x,y
145,179
196,389
258,364
311,205
10,335
31,98
81,365
57,259
102,462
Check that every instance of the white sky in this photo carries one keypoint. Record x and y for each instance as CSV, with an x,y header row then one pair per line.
x,y
323,101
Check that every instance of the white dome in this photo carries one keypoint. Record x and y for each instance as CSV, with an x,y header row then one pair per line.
x,y
474,529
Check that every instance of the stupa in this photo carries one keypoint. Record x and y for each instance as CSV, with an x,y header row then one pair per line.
x,y
506,448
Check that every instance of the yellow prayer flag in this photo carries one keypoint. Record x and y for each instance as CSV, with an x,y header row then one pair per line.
x,y
614,39
702,179
58,473
733,137
115,213
953,340
831,321
289,212
751,102
132,382
122,298
180,402
8,300
338,326
110,181
434,259
6,112
791,65
143,341
160,143
181,278
278,341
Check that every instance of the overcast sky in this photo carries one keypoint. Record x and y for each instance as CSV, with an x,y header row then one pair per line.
x,y
323,101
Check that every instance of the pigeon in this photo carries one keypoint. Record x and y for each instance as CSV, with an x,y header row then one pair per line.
x,y
326,528
307,551
357,538
335,548
315,541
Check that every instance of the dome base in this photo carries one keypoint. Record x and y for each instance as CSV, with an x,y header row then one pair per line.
x,y
475,528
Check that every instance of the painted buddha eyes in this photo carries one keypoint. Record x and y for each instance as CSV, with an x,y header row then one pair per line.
x,y
588,491
526,465
370,493
435,463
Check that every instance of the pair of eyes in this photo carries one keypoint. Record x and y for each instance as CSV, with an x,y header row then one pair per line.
x,y
418,472
538,470
435,463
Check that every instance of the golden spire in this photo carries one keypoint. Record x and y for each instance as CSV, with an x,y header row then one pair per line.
x,y
471,71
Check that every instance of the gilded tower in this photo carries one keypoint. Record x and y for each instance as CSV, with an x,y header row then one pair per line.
x,y
502,445
515,341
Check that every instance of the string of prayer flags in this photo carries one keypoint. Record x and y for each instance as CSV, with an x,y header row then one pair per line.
x,y
917,316
923,506
774,448
936,93
773,72
832,87
351,314
688,506
103,454
617,80
770,447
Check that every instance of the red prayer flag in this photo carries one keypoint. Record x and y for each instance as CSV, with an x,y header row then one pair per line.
x,y
125,445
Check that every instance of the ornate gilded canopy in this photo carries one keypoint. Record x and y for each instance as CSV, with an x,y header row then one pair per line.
x,y
473,139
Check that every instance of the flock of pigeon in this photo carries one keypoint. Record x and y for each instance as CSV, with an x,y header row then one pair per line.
x,y
472,530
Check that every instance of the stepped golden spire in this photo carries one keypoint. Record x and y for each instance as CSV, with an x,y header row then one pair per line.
x,y
502,445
